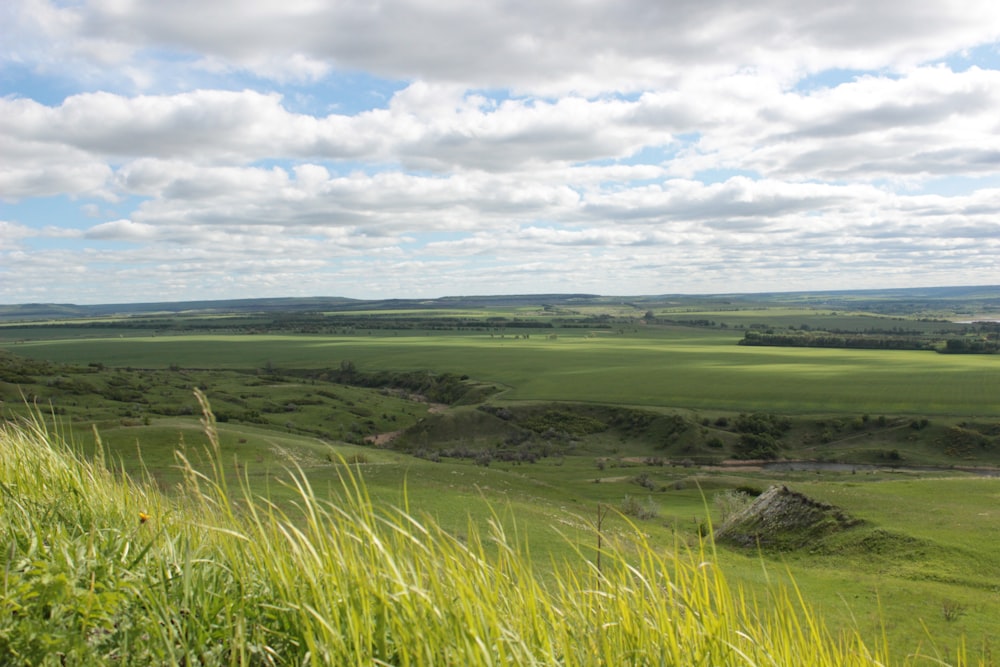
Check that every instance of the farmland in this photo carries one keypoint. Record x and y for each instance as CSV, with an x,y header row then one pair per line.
x,y
550,409
669,366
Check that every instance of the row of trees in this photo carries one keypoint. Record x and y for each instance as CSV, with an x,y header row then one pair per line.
x,y
970,346
827,339
965,345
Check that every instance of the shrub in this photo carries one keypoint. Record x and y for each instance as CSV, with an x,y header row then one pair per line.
x,y
730,501
952,609
757,446
644,481
760,423
632,506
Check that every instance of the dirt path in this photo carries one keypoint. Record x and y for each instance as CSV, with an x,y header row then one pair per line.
x,y
382,439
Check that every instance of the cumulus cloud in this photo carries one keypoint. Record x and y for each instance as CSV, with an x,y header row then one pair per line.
x,y
405,147
557,45
11,234
423,126
121,230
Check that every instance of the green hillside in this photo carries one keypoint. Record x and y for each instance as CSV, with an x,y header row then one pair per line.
x,y
553,421
100,569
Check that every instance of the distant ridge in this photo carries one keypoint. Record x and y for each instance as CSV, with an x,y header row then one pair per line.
x,y
836,299
57,310
44,311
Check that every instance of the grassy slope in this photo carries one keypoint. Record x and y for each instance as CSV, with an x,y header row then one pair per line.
x,y
923,553
900,571
98,570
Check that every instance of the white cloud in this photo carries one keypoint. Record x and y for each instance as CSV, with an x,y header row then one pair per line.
x,y
663,147
200,125
557,45
32,168
930,122
121,230
424,126
11,234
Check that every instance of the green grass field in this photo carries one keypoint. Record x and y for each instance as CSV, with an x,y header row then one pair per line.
x,y
925,547
674,367
100,570
920,573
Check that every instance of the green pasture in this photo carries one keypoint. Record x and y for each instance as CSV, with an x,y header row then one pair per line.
x,y
550,505
925,551
127,400
678,367
427,313
824,320
925,545
100,571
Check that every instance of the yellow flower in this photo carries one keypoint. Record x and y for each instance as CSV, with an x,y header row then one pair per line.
x,y
143,517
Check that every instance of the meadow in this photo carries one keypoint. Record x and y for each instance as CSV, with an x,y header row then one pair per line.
x,y
616,419
665,366
100,570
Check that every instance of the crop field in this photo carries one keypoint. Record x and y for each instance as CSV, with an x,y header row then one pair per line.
x,y
674,368
797,317
556,419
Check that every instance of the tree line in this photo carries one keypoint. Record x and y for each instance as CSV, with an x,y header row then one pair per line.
x,y
963,345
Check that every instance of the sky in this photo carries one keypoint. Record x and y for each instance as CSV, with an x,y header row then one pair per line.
x,y
216,149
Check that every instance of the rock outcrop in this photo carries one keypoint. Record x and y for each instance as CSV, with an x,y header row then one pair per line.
x,y
782,519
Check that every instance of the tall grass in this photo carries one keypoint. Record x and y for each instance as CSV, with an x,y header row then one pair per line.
x,y
98,569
